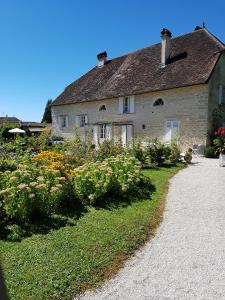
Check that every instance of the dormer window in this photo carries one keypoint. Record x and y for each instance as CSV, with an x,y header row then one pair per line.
x,y
158,102
102,108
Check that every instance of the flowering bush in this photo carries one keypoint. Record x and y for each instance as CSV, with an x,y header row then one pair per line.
x,y
219,141
53,160
92,181
28,191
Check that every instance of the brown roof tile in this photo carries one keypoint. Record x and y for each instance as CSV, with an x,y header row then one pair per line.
x,y
193,57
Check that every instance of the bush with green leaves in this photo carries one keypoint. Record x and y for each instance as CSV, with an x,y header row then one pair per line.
x,y
29,191
93,181
157,153
210,152
7,165
175,151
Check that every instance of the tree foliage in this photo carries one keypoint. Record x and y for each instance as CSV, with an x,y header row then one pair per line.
x,y
47,117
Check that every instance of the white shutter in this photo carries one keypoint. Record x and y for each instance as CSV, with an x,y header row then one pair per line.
x,y
66,121
120,105
108,132
77,121
131,104
168,132
95,135
124,135
86,119
129,135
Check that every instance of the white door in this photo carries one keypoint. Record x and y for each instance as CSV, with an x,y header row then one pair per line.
x,y
126,135
172,130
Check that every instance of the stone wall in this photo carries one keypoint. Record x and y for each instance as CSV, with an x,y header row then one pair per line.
x,y
187,105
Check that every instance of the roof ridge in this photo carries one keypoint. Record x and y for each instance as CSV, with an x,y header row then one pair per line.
x,y
218,41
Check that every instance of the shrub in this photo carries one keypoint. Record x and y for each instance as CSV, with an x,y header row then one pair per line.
x,y
7,164
92,181
174,152
139,152
219,141
157,153
210,152
30,191
53,160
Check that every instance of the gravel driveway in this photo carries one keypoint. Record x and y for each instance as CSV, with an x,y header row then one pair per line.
x,y
186,258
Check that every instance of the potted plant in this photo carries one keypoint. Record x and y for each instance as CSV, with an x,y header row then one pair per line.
x,y
188,156
219,143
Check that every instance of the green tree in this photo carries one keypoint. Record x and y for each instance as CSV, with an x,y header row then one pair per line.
x,y
47,117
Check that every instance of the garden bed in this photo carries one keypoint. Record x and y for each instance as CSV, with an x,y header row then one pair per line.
x,y
81,255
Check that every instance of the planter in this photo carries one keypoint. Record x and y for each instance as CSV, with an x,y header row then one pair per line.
x,y
222,160
188,158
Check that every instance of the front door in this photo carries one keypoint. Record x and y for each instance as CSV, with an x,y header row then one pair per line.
x,y
172,130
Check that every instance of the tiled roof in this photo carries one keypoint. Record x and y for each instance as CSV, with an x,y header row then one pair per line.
x,y
192,60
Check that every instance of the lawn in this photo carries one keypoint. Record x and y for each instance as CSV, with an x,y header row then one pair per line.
x,y
66,261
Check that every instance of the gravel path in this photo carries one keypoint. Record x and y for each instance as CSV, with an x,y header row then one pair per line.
x,y
186,258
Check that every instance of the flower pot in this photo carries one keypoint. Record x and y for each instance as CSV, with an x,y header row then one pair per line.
x,y
222,160
188,158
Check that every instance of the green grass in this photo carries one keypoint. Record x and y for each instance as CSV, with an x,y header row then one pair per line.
x,y
65,261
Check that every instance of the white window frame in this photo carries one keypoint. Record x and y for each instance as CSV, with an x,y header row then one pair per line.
x,y
64,121
126,105
102,131
81,120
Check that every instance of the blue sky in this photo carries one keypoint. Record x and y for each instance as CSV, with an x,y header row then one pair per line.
x,y
47,44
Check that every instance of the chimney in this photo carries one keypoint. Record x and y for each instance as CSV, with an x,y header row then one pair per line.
x,y
102,57
166,46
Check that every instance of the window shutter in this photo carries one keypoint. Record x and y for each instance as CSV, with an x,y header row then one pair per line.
x,y
77,121
95,135
86,119
124,135
220,94
129,135
131,104
108,132
120,105
67,121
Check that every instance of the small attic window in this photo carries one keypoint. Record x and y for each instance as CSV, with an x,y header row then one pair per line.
x,y
158,102
102,108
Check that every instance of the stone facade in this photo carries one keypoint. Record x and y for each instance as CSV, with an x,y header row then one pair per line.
x,y
188,106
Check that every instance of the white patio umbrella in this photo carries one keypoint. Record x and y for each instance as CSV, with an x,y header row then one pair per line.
x,y
16,130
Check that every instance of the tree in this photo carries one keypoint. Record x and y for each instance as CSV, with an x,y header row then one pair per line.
x,y
47,117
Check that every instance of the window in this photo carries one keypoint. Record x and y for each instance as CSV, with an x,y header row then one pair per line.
x,y
158,102
102,131
102,108
221,94
126,105
172,130
64,121
81,120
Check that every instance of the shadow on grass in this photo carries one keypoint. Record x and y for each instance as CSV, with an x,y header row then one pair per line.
x,y
142,191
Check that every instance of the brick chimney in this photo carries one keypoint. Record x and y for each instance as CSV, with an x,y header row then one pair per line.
x,y
102,57
166,46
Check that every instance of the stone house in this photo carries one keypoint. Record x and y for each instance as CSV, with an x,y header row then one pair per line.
x,y
168,90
